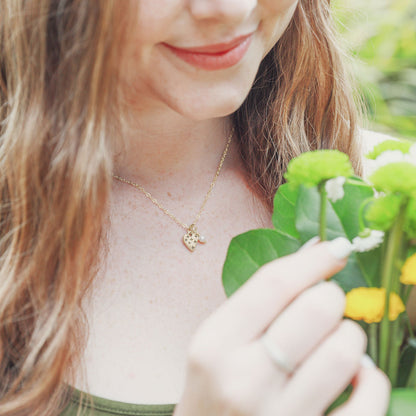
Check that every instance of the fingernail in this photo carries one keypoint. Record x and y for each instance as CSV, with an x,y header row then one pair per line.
x,y
340,248
367,362
310,242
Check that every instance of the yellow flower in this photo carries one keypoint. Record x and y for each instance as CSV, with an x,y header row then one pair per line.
x,y
408,276
367,304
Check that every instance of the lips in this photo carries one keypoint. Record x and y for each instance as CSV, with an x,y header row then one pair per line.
x,y
214,57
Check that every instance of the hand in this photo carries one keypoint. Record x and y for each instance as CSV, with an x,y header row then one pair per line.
x,y
231,370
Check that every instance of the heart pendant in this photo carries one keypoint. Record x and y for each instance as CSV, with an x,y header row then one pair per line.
x,y
190,240
192,237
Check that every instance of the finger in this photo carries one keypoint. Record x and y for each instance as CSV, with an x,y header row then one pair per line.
x,y
246,314
311,316
370,396
328,370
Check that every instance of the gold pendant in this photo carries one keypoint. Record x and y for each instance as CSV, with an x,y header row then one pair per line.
x,y
192,237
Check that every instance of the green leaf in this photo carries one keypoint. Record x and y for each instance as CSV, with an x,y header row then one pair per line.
x,y
341,399
249,251
370,264
307,216
407,359
411,250
357,193
348,208
402,403
350,276
307,223
284,210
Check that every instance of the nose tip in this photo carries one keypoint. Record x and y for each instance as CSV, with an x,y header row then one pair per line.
x,y
232,10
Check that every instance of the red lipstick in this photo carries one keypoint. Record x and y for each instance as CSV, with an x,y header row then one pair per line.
x,y
214,57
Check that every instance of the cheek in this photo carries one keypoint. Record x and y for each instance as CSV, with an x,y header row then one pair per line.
x,y
151,20
279,14
279,6
148,24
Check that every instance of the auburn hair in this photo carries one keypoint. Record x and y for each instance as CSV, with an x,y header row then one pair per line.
x,y
58,111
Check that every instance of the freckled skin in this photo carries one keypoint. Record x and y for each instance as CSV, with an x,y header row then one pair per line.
x,y
154,77
152,293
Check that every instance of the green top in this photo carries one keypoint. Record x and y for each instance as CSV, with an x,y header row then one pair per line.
x,y
98,406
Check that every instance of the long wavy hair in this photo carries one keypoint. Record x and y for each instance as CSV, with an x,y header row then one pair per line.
x,y
58,109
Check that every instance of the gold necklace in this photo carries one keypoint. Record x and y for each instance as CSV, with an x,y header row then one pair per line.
x,y
192,236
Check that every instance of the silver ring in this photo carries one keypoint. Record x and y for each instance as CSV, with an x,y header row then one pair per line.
x,y
277,355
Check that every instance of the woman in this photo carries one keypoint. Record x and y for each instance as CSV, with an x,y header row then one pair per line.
x,y
118,119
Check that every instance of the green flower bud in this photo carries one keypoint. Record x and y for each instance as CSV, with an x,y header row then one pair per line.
x,y
401,145
382,211
410,221
312,168
399,177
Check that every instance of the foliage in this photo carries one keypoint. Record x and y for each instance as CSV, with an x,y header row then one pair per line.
x,y
382,37
381,271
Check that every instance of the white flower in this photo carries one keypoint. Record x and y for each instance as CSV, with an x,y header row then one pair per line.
x,y
373,240
334,188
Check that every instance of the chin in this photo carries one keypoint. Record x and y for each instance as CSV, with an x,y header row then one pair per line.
x,y
209,111
209,105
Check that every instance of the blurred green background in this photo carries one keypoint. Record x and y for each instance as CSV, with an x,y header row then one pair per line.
x,y
381,35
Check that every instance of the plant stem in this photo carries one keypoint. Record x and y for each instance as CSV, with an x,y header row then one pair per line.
x,y
396,342
372,341
322,213
411,380
389,275
409,326
406,295
385,323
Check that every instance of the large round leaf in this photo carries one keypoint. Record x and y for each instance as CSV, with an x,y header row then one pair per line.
x,y
249,251
355,273
402,403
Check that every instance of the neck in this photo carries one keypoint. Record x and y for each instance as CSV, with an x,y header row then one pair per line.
x,y
166,151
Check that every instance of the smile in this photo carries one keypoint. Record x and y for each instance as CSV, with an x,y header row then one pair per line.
x,y
214,57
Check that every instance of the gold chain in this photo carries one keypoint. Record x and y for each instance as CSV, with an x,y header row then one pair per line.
x,y
192,236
